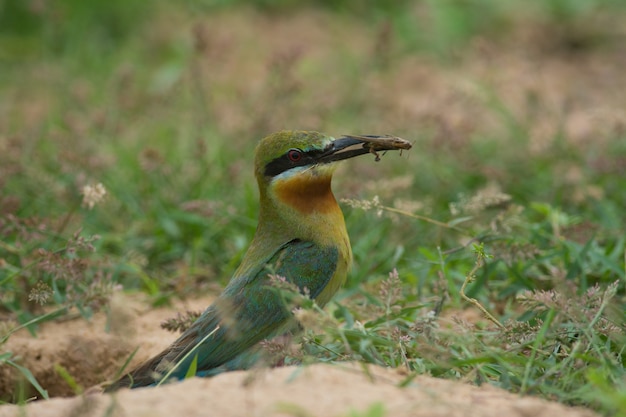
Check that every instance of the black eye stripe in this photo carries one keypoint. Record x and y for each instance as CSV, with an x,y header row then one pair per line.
x,y
284,163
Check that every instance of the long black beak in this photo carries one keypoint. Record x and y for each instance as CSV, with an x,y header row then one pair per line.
x,y
349,146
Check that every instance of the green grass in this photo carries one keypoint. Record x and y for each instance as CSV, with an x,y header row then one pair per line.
x,y
130,95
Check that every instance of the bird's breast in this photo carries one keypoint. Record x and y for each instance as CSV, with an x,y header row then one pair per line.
x,y
307,194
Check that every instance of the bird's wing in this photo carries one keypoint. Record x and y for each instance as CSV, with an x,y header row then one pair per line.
x,y
248,311
251,309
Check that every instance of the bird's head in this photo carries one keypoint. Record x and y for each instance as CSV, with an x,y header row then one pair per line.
x,y
296,167
290,153
287,154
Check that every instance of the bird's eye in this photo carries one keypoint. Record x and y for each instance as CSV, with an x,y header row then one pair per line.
x,y
294,155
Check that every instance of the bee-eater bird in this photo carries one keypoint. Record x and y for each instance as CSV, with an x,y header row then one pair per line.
x,y
301,236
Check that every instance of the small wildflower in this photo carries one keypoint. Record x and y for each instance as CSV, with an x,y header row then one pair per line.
x,y
40,293
306,318
488,197
277,279
93,194
359,326
374,203
78,243
391,289
280,351
398,335
181,322
282,283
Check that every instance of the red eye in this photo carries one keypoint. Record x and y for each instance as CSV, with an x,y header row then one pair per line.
x,y
294,155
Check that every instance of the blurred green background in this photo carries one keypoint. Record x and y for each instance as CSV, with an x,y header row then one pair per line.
x,y
516,110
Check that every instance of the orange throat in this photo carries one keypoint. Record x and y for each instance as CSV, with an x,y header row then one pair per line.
x,y
307,193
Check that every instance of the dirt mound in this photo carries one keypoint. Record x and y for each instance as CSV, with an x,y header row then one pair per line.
x,y
318,390
87,358
85,350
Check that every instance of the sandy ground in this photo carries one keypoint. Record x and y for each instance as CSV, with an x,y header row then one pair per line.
x,y
86,350
92,355
319,390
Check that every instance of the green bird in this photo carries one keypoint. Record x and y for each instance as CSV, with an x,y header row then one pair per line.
x,y
301,236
